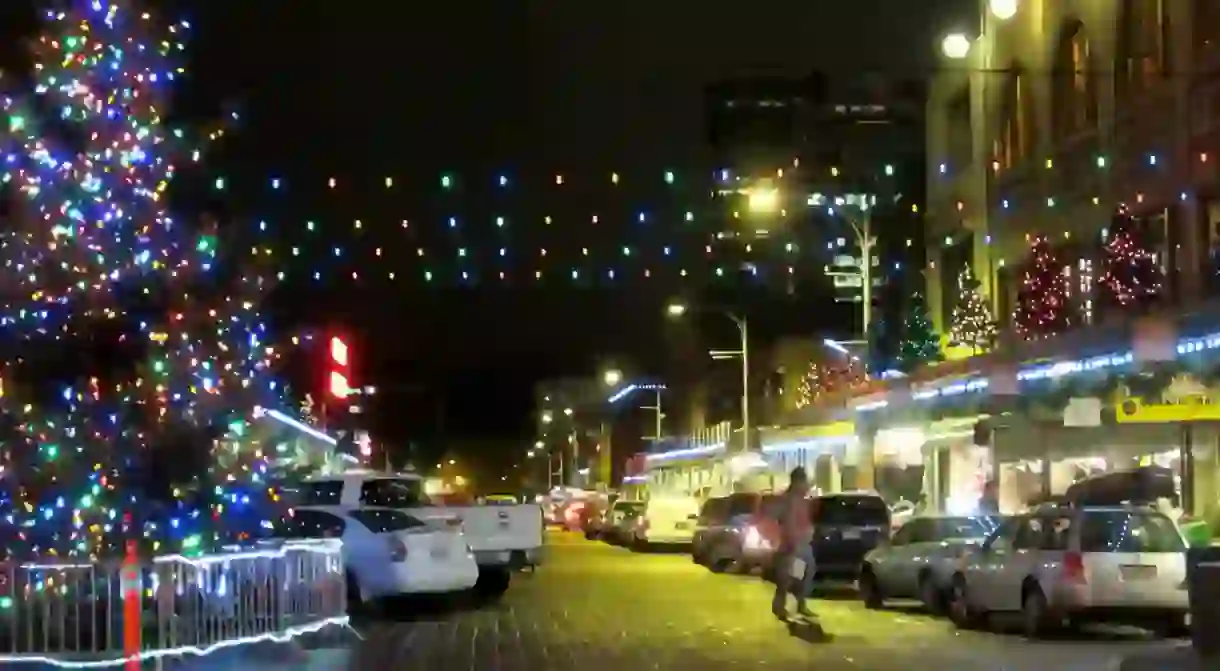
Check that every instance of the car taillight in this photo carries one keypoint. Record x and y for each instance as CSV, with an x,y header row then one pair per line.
x,y
1073,567
398,549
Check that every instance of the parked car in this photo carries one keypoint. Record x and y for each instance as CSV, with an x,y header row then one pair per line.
x,y
620,521
503,538
665,521
746,536
1065,565
388,552
919,560
713,514
846,527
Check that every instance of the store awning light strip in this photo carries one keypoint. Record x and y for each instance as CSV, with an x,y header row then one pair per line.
x,y
685,453
634,479
1050,371
820,442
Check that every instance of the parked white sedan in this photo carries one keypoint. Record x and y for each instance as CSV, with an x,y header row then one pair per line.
x,y
388,552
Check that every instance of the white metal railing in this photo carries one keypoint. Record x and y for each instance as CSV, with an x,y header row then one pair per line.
x,y
95,615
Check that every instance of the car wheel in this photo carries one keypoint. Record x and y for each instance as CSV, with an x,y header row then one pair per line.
x,y
960,611
355,600
870,591
931,595
720,564
492,583
1176,626
638,544
1034,612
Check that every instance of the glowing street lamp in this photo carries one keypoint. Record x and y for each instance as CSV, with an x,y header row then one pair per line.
x,y
675,309
547,418
763,200
538,445
955,46
612,377
1003,9
567,411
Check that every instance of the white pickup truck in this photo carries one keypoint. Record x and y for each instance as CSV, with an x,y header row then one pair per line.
x,y
503,538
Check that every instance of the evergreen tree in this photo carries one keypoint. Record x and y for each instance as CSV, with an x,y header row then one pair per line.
x,y
971,324
1131,277
129,359
920,343
1043,301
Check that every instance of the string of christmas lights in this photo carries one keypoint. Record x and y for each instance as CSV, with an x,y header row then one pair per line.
x,y
1044,299
827,378
164,360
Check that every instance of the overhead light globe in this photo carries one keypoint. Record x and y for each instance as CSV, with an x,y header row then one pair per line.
x,y
955,46
1003,9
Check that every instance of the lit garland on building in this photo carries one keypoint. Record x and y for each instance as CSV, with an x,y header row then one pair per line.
x,y
164,361
823,379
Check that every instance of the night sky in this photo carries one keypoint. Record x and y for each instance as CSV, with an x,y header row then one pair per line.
x,y
482,87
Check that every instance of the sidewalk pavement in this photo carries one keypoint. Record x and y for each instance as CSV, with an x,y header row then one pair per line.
x,y
1177,658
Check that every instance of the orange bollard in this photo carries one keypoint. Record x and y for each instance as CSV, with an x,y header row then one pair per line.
x,y
131,606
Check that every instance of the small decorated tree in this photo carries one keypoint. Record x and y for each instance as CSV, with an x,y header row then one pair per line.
x,y
1043,301
971,324
1131,276
920,343
823,378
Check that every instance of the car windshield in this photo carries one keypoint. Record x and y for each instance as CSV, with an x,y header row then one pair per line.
x,y
851,510
953,528
1123,531
384,521
393,493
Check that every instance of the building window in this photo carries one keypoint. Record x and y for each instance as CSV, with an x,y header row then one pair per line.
x,y
1205,24
1075,93
1014,141
959,133
1142,46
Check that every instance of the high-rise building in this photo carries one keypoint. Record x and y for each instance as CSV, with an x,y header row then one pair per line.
x,y
821,163
1056,117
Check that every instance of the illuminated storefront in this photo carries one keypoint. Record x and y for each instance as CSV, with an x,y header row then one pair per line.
x,y
1037,462
829,453
939,463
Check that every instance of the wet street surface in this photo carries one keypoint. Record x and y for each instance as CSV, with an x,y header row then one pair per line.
x,y
593,606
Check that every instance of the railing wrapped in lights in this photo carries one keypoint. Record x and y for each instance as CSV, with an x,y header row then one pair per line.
x,y
99,615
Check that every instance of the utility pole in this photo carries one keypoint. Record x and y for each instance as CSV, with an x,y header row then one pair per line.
x,y
657,413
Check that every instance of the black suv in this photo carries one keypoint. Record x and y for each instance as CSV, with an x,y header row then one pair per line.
x,y
845,527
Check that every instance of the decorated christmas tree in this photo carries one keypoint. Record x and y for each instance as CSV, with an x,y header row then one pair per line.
x,y
971,324
133,353
1043,301
1131,276
827,378
920,343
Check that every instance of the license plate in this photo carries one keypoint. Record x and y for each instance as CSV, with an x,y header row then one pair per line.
x,y
682,526
852,535
1137,572
440,553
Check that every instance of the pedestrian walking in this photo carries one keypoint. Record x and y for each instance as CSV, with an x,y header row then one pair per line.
x,y
794,568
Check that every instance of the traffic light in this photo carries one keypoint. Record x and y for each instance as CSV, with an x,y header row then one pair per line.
x,y
339,383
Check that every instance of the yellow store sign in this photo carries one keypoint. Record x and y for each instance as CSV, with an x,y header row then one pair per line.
x,y
1196,409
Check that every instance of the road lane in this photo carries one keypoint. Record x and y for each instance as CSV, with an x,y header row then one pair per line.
x,y
593,607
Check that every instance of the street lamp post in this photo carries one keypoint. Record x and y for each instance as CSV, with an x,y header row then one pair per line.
x,y
743,329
